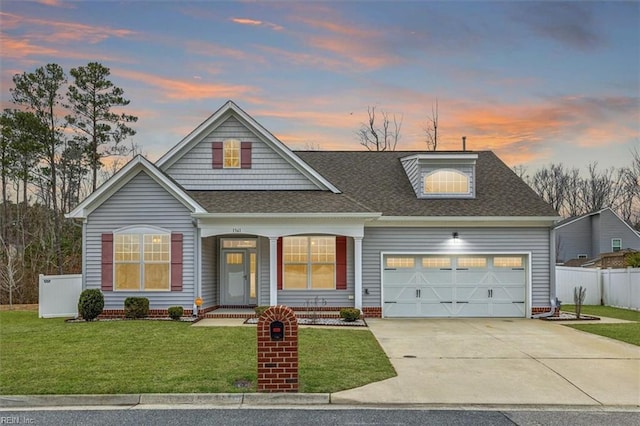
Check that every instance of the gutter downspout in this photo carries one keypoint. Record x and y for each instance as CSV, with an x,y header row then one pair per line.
x,y
555,303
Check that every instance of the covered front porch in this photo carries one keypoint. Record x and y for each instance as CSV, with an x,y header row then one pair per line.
x,y
271,259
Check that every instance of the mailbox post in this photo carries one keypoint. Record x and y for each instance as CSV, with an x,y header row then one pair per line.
x,y
278,350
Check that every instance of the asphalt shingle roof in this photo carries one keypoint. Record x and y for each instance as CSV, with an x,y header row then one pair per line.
x,y
376,182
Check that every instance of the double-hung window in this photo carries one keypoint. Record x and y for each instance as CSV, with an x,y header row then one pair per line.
x,y
616,244
309,262
142,261
231,154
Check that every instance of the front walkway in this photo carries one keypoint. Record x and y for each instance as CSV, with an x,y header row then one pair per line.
x,y
499,361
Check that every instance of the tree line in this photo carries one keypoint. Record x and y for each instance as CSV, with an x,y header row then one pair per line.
x,y
53,146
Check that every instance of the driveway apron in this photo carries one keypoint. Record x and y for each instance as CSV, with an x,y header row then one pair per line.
x,y
499,361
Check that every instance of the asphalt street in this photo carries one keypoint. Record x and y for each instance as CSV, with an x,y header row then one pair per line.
x,y
302,416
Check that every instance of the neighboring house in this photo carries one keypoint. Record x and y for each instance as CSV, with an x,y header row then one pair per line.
x,y
232,216
586,237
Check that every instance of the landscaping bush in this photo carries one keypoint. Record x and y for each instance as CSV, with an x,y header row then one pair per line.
x,y
350,314
136,307
175,312
260,310
90,304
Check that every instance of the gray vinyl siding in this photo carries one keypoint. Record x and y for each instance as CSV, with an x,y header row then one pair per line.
x,y
209,278
612,227
141,202
413,173
329,298
534,240
574,239
269,171
592,235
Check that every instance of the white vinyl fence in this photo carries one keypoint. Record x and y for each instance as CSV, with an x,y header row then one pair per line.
x,y
610,287
58,295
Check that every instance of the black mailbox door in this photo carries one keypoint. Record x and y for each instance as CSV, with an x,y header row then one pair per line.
x,y
276,329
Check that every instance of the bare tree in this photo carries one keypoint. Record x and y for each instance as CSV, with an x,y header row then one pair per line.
x,y
550,184
11,269
380,136
431,128
601,189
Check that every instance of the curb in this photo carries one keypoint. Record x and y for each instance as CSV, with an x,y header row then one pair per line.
x,y
22,401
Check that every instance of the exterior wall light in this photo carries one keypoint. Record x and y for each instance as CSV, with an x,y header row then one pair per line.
x,y
455,235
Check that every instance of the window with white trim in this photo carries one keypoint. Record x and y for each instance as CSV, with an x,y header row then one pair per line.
x,y
231,154
616,244
309,262
142,261
446,181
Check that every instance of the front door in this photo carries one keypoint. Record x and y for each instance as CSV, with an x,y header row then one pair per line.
x,y
239,277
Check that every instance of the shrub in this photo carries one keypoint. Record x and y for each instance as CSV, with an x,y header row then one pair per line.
x,y
175,312
260,310
350,314
136,307
90,304
632,259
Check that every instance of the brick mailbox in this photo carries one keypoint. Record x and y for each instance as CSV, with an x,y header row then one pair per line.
x,y
278,350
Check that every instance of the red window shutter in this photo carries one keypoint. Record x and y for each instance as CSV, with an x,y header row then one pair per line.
x,y
176,261
217,155
279,257
106,280
245,155
341,263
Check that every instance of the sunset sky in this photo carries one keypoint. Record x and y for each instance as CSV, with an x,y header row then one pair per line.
x,y
537,82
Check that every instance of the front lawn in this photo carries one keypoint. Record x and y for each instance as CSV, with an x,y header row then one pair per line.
x,y
49,356
626,332
605,311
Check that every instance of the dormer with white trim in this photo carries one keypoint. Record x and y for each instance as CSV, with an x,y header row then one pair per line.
x,y
442,175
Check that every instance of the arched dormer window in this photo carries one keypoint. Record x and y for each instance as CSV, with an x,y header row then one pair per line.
x,y
446,181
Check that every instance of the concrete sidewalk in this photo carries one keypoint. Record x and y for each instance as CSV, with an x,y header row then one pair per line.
x,y
499,361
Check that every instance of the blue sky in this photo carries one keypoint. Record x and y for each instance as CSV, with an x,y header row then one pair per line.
x,y
537,82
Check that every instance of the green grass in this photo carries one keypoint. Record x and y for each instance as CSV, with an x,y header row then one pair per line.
x,y
49,356
629,332
605,311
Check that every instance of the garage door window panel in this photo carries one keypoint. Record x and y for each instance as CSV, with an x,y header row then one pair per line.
x,y
400,262
507,262
436,262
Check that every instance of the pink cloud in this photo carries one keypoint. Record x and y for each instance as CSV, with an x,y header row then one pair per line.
x,y
181,90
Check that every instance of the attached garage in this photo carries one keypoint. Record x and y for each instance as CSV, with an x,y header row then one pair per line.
x,y
462,285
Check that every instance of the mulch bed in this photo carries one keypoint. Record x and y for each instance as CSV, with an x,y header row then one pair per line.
x,y
570,316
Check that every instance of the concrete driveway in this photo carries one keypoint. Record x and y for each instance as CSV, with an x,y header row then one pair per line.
x,y
499,361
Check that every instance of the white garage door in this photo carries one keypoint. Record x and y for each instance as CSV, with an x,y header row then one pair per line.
x,y
454,286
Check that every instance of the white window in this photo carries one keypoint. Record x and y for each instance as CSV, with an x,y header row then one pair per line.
x,y
446,181
142,261
309,262
231,154
616,244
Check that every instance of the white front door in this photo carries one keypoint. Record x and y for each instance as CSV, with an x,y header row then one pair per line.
x,y
239,277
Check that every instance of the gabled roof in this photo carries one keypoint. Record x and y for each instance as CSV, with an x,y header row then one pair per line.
x,y
217,118
574,219
378,181
122,177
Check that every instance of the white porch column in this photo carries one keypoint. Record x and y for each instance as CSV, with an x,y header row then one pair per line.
x,y
357,263
273,271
